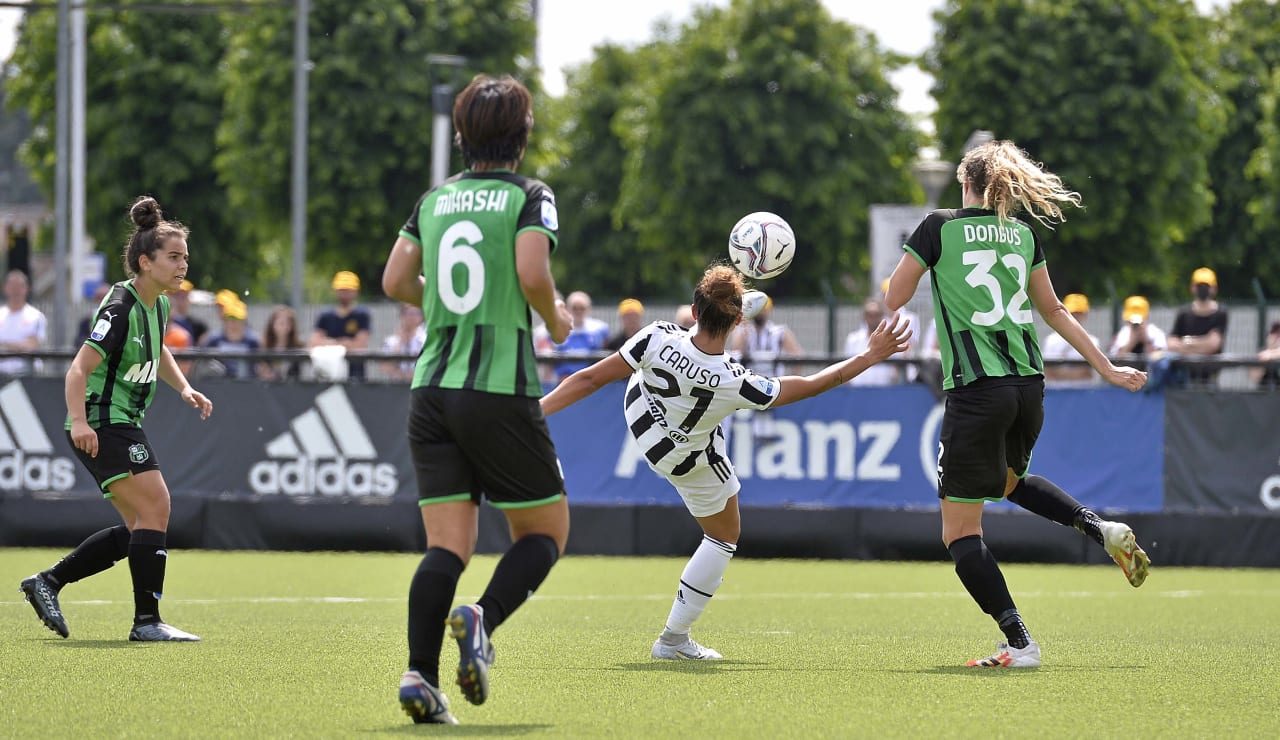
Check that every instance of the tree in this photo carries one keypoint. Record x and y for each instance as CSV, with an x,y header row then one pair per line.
x,y
369,140
1112,95
1240,241
598,255
152,107
764,105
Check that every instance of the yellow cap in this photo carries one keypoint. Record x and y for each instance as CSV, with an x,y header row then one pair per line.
x,y
187,286
235,310
630,305
1076,303
346,280
225,297
1136,309
1204,275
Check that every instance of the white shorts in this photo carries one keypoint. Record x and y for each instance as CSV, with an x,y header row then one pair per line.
x,y
702,489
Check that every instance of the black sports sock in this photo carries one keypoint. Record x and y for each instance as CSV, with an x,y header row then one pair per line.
x,y
430,596
147,558
1015,632
99,551
518,575
1040,496
981,576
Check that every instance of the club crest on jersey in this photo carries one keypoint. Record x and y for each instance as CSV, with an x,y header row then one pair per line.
x,y
550,218
100,330
677,437
138,453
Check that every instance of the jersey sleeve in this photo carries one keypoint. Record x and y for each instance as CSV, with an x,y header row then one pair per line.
x,y
1180,324
110,329
758,392
1220,323
925,243
410,229
539,212
640,348
1037,254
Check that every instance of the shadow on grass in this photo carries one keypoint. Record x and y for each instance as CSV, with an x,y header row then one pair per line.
x,y
964,670
703,666
97,644
463,730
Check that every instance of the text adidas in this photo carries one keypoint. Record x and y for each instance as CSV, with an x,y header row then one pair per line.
x,y
336,477
27,472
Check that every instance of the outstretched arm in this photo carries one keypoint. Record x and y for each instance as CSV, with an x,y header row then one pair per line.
x,y
585,382
884,342
1060,320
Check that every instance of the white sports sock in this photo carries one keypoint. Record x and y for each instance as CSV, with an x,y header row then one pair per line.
x,y
698,583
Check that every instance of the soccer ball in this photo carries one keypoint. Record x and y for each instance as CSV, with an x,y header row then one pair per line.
x,y
762,245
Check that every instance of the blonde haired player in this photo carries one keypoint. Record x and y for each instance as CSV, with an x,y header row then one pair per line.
x,y
682,386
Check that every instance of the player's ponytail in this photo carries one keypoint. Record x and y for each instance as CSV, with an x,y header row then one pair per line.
x,y
150,232
1010,181
718,300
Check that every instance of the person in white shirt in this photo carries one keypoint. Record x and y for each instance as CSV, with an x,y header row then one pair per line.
x,y
1137,337
858,341
22,326
682,385
1057,348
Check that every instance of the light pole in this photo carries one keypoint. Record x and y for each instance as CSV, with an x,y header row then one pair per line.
x,y
933,175
442,109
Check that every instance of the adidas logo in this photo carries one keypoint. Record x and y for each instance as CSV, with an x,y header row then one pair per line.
x,y
326,452
27,462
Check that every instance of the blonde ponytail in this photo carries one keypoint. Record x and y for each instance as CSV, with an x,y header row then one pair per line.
x,y
1011,182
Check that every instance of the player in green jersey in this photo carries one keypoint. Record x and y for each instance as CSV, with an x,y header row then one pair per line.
x,y
985,267
108,389
483,240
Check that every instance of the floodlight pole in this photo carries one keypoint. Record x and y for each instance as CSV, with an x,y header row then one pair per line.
x,y
62,172
298,208
442,110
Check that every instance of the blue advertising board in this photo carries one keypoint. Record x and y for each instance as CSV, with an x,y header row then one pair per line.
x,y
875,448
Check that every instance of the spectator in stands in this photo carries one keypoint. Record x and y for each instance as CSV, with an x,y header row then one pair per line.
x,y
588,334
1137,337
23,327
280,333
86,323
180,305
859,340
684,317
1057,348
176,337
408,338
1201,328
759,344
1268,378
631,316
235,336
347,324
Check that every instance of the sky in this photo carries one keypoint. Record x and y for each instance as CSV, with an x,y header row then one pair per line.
x,y
569,29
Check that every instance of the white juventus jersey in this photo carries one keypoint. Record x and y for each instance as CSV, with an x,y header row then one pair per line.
x,y
679,395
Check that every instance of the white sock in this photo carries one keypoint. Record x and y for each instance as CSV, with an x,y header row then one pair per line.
x,y
698,583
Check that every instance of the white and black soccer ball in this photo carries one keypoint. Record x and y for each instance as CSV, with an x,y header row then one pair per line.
x,y
762,245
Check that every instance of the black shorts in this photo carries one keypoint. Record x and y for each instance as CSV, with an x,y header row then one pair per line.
x,y
988,428
468,444
123,450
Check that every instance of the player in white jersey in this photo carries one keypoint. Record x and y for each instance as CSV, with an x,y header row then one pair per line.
x,y
682,386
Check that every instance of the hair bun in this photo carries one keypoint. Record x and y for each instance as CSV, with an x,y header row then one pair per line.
x,y
145,212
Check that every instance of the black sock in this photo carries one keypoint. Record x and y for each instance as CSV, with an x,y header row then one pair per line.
x,y
99,551
981,576
147,558
1040,496
1015,632
517,576
430,596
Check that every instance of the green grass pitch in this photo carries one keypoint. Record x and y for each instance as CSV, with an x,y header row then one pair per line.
x,y
312,645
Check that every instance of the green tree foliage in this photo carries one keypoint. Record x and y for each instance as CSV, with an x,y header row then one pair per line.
x,y
596,254
1240,241
764,105
1114,96
152,108
370,128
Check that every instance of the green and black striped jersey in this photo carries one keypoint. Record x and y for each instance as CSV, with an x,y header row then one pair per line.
x,y
129,336
478,324
980,267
